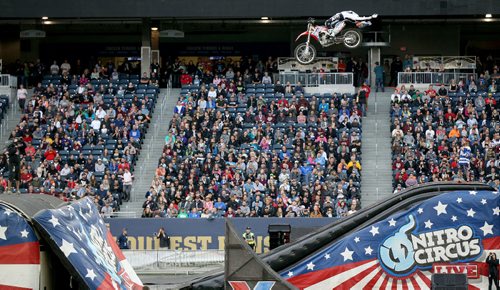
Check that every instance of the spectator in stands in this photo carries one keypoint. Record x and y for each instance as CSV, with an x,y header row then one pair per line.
x,y
54,68
22,95
379,77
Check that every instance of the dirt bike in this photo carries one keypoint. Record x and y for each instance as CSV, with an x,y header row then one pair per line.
x,y
305,52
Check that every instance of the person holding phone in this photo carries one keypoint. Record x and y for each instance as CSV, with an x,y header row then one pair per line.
x,y
163,237
492,262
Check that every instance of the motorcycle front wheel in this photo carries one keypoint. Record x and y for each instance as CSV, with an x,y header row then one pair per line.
x,y
305,53
352,38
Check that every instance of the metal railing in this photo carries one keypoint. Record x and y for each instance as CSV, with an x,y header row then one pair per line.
x,y
376,37
433,78
316,79
161,259
8,81
161,110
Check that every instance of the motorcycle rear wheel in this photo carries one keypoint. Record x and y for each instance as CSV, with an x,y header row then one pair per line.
x,y
304,53
352,38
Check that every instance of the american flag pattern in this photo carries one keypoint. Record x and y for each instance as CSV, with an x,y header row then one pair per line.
x,y
357,260
19,252
80,236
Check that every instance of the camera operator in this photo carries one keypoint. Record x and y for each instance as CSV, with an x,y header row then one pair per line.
x,y
492,262
163,237
14,166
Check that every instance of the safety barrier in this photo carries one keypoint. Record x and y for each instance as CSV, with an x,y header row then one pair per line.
x,y
162,259
316,79
424,79
320,82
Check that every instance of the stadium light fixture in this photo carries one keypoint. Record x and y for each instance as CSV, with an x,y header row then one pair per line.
x,y
264,18
45,17
154,28
488,15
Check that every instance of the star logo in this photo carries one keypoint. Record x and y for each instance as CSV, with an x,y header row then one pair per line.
x,y
347,254
496,211
368,251
2,233
374,231
487,229
290,274
428,224
420,210
459,200
310,266
67,248
90,274
440,208
54,221
8,211
327,256
454,218
24,233
472,192
471,212
356,240
392,223
483,201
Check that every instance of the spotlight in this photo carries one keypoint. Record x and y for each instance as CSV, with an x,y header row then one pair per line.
x,y
45,17
154,28
488,15
264,18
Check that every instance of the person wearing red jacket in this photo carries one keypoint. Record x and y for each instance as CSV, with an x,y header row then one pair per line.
x,y
186,79
50,154
365,87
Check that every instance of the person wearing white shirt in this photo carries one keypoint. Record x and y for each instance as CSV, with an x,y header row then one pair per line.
x,y
395,97
127,184
100,113
99,166
65,66
96,124
54,68
22,94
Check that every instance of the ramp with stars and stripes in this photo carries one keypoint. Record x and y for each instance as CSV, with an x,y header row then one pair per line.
x,y
337,256
78,236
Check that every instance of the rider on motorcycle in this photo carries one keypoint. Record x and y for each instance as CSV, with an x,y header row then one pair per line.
x,y
337,22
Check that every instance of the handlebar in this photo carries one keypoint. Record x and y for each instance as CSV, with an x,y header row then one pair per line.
x,y
311,20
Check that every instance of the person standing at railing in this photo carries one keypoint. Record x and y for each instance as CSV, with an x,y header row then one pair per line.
x,y
379,77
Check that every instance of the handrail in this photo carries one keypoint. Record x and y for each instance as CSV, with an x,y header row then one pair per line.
x,y
433,78
314,79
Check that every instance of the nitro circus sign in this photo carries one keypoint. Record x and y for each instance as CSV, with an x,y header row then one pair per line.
x,y
405,251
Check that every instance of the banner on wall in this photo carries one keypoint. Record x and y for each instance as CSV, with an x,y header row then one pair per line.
x,y
196,234
450,233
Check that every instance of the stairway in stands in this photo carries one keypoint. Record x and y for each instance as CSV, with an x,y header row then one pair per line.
x,y
9,122
376,181
151,152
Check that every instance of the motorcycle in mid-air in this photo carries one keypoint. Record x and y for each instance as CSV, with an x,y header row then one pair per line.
x,y
306,52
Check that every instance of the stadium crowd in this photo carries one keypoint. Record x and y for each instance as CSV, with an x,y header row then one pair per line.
x,y
447,132
243,145
79,135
